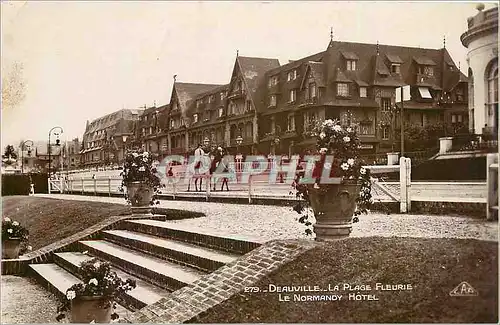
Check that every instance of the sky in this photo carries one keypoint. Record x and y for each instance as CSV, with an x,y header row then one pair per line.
x,y
83,60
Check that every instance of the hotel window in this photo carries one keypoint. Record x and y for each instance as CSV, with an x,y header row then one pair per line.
x,y
424,92
343,90
195,118
172,124
312,90
351,65
427,70
293,95
143,131
272,101
198,103
492,100
273,81
291,123
221,111
222,96
145,118
362,92
210,99
249,106
396,68
292,75
386,104
385,132
150,130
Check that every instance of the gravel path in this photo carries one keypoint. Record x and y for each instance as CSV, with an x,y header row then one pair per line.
x,y
275,222
24,301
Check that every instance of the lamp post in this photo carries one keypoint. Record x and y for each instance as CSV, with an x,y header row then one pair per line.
x,y
124,138
239,141
57,141
22,153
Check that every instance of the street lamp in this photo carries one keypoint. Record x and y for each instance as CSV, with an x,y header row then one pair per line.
x,y
22,153
239,141
57,140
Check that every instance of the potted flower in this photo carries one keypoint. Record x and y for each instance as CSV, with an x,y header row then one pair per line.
x,y
93,299
13,235
346,195
140,179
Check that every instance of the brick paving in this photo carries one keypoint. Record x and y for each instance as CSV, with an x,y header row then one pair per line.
x,y
188,302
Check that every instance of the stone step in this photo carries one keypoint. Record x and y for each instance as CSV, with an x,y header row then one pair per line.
x,y
203,237
57,280
164,274
202,258
144,293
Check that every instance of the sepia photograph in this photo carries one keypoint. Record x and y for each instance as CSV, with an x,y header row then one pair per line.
x,y
231,162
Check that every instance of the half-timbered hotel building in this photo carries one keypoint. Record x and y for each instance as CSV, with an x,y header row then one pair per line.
x,y
270,108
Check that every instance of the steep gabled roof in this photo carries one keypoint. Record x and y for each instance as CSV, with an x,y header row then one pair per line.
x,y
317,71
111,119
186,92
254,71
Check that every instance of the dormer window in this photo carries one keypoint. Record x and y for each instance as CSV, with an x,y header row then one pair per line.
x,y
172,124
343,89
351,65
145,118
312,90
221,111
210,99
426,70
195,118
198,103
292,75
396,68
222,96
362,92
273,81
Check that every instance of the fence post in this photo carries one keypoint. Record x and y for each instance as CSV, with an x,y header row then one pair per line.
x,y
95,186
208,187
48,182
492,184
61,185
405,184
70,182
83,186
109,186
250,180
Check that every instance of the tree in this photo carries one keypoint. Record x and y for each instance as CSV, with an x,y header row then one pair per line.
x,y
13,86
10,152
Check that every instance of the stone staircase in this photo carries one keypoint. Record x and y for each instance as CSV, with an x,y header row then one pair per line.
x,y
161,256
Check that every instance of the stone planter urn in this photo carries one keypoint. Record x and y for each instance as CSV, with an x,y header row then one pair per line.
x,y
10,248
334,206
86,309
140,195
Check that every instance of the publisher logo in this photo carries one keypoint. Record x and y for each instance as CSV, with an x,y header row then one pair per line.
x,y
463,290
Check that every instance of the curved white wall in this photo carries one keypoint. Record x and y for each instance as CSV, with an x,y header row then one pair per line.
x,y
481,52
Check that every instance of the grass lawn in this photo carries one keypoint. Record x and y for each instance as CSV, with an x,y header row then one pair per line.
x,y
433,267
50,220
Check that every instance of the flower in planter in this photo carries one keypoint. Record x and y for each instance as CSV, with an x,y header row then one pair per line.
x,y
108,287
13,230
139,166
340,143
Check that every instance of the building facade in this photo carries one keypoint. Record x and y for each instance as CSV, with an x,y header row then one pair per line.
x,y
481,40
268,108
106,139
